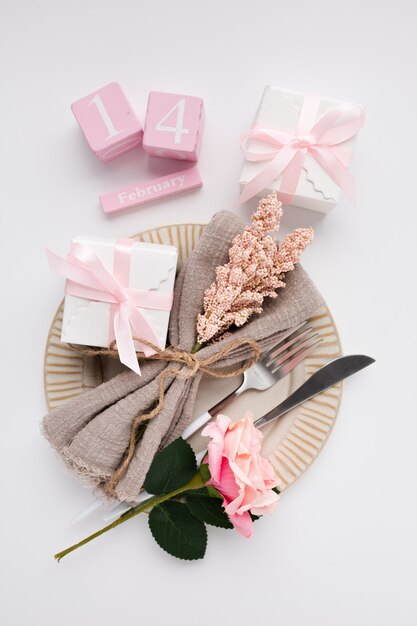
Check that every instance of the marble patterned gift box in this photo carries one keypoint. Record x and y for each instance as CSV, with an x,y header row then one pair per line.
x,y
300,146
117,282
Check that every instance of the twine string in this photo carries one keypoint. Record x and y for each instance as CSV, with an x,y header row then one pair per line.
x,y
193,364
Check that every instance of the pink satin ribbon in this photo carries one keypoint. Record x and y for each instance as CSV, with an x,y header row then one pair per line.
x,y
88,278
319,138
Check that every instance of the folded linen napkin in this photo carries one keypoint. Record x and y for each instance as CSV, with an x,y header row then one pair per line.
x,y
91,432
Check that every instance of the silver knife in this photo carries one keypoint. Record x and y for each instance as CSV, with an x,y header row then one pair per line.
x,y
325,377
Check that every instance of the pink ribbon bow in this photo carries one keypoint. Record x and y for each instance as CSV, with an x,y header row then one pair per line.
x,y
88,278
319,138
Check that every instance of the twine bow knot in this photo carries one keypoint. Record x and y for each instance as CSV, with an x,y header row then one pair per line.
x,y
193,362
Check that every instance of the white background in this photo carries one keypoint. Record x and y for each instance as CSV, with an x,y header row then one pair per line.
x,y
341,549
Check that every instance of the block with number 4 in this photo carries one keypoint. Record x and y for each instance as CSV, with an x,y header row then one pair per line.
x,y
108,122
173,126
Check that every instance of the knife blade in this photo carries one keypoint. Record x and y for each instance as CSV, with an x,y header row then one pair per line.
x,y
325,377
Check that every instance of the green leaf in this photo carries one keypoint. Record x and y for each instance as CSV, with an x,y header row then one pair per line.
x,y
207,509
172,468
177,531
205,472
276,490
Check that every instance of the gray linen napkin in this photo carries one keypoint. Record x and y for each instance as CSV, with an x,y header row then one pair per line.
x,y
91,432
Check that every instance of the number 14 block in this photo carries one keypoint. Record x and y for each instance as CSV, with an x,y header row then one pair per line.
x,y
173,126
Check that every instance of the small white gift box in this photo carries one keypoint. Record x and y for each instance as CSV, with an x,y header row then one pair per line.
x,y
117,288
300,146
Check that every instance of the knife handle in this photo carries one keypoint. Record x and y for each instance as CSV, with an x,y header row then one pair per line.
x,y
196,424
200,421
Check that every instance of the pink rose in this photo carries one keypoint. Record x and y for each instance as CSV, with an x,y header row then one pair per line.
x,y
244,478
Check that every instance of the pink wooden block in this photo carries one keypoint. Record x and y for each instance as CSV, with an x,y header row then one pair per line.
x,y
108,122
173,126
150,190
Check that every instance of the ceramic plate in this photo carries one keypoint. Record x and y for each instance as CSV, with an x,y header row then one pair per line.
x,y
291,443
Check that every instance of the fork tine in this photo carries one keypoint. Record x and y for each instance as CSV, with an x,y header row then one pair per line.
x,y
290,365
287,363
282,341
275,351
281,357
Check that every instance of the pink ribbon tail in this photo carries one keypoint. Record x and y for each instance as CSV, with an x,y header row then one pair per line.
x,y
124,340
272,171
337,171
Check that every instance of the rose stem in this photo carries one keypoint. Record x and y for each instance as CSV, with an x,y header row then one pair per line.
x,y
195,483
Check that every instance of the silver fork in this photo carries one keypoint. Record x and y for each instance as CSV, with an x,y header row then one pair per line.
x,y
274,364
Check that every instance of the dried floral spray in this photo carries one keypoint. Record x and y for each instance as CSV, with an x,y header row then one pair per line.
x,y
256,270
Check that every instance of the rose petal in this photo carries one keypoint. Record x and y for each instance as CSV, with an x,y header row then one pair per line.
x,y
233,440
265,503
243,524
216,430
226,484
238,471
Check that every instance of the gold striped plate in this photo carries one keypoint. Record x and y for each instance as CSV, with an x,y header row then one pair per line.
x,y
291,444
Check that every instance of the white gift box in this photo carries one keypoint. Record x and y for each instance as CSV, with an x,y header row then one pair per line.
x,y
280,109
152,268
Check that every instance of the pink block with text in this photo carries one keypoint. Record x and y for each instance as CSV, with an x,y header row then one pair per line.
x,y
173,126
108,122
151,190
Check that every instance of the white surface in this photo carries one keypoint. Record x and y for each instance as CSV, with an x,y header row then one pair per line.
x,y
341,549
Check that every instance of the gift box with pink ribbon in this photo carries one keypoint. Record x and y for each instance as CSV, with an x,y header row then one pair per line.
x,y
301,147
117,290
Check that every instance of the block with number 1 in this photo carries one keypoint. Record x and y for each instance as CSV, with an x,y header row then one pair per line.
x,y
173,126
108,122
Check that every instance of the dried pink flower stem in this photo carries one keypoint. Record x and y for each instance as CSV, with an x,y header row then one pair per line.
x,y
256,270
